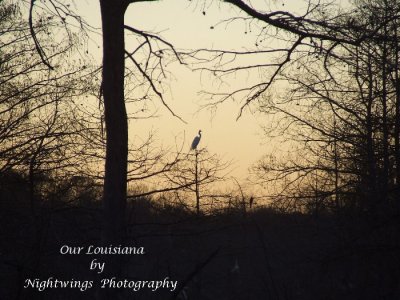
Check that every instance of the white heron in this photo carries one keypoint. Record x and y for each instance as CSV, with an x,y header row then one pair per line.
x,y
196,141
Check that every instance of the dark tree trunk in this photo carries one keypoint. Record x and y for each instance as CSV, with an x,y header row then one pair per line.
x,y
397,118
385,142
370,138
196,179
114,196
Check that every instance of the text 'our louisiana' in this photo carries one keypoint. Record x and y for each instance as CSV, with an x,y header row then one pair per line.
x,y
106,250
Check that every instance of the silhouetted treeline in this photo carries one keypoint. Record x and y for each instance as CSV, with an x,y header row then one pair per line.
x,y
226,255
341,121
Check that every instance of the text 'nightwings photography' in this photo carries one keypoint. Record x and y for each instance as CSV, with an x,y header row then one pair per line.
x,y
105,283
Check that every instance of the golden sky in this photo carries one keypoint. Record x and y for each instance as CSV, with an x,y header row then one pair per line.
x,y
186,24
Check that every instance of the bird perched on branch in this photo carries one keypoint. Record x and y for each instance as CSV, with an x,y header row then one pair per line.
x,y
196,141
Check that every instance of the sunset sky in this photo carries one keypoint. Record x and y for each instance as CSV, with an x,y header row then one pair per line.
x,y
187,25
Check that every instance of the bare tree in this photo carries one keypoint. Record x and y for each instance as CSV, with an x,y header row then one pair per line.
x,y
314,30
37,132
114,52
340,118
198,174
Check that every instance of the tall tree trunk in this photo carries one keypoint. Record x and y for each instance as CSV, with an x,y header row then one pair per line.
x,y
196,179
397,116
370,136
114,194
385,142
336,162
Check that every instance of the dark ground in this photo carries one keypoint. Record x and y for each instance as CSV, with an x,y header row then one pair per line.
x,y
258,255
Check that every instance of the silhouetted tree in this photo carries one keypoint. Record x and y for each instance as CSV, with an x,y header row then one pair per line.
x,y
199,174
342,119
37,133
314,30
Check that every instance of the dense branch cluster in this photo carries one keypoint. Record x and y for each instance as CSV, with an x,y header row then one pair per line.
x,y
37,105
341,121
